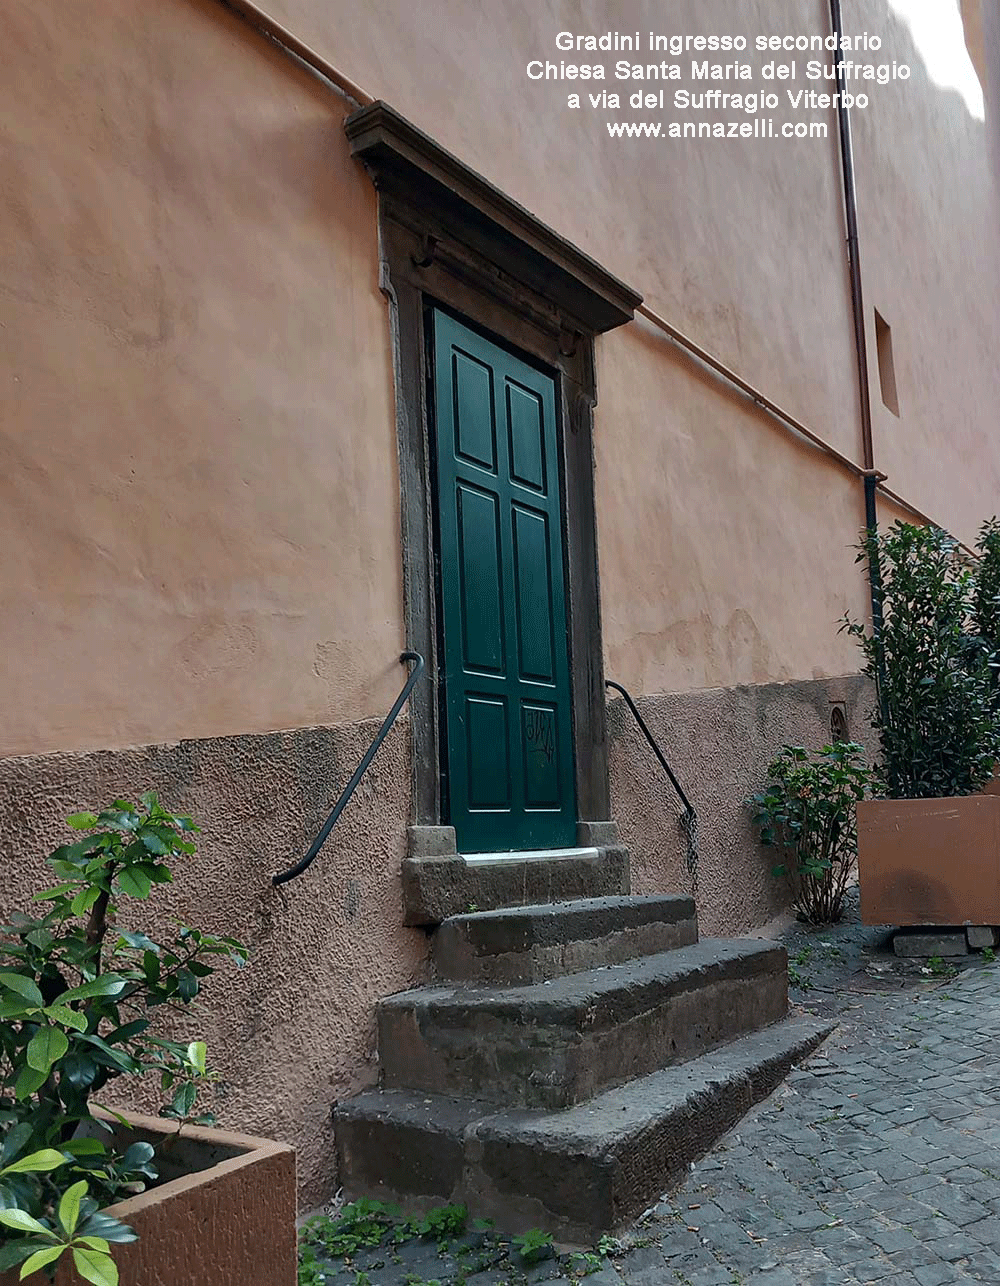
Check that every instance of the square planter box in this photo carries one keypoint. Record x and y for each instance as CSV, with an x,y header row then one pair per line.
x,y
930,861
224,1217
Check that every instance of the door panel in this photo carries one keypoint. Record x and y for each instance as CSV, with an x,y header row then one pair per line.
x,y
482,580
475,431
533,581
507,736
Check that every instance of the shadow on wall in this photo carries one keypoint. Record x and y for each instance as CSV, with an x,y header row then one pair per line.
x,y
293,1032
718,741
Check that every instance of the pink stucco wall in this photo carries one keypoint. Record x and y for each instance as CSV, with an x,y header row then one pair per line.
x,y
198,487
198,448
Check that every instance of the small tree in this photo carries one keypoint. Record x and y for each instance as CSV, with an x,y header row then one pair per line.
x,y
80,989
807,813
935,712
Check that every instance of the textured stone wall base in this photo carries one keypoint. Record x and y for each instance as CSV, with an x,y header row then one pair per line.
x,y
718,742
294,1031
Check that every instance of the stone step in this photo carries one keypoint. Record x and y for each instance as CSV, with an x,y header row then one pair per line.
x,y
435,888
530,944
551,1044
576,1173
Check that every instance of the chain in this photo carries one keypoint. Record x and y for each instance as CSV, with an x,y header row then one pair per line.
x,y
689,822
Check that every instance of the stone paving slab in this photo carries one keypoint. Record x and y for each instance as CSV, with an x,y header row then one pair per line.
x,y
877,1161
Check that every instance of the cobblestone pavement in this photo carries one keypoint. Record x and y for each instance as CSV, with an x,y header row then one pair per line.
x,y
879,1160
876,1161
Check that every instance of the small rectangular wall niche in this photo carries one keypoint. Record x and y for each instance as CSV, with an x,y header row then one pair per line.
x,y
886,366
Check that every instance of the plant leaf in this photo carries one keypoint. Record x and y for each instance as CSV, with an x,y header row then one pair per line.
x,y
106,984
69,1206
134,882
68,1017
137,940
197,1053
96,1267
46,1047
85,1148
85,899
57,891
108,1229
79,1070
28,1081
21,1221
117,1116
138,1154
22,987
40,1259
37,1163
82,821
14,1141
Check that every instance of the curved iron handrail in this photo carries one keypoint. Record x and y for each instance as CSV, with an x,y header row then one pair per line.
x,y
610,683
303,865
690,817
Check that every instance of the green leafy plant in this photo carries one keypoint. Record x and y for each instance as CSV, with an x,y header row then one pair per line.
x,y
360,1225
935,676
799,979
533,1245
807,813
78,995
443,1223
309,1271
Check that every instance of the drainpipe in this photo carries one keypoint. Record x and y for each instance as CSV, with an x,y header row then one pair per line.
x,y
871,476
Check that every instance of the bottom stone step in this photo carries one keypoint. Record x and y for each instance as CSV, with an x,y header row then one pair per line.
x,y
576,1173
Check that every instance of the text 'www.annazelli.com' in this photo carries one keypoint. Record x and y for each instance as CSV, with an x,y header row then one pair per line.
x,y
759,127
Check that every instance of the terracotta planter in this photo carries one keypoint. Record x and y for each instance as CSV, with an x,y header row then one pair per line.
x,y
930,861
225,1216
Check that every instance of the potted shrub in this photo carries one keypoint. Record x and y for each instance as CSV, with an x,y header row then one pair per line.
x,y
807,813
86,1191
929,851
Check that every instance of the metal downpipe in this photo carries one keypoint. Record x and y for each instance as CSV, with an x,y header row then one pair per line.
x,y
871,475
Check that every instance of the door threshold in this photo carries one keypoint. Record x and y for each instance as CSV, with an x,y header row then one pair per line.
x,y
529,855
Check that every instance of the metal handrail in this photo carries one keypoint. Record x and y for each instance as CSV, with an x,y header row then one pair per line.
x,y
690,818
303,865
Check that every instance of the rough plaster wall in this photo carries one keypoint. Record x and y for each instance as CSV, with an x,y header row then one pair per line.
x,y
724,541
929,229
294,1031
196,436
198,484
739,245
718,743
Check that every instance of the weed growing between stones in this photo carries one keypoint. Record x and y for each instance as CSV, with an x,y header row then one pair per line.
x,y
534,1245
796,966
349,1242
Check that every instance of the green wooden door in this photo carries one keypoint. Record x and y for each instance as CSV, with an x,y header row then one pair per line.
x,y
508,736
